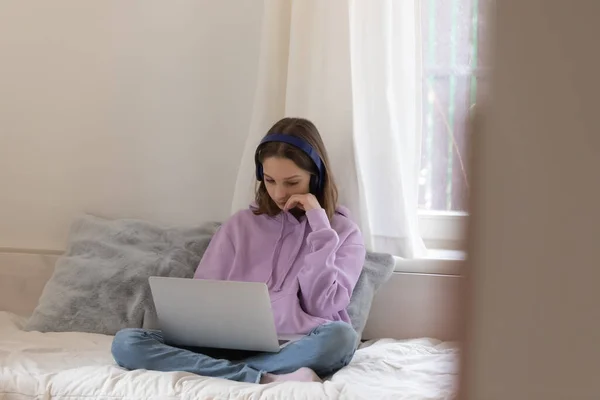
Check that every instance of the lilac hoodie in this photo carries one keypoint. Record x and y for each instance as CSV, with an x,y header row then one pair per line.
x,y
310,265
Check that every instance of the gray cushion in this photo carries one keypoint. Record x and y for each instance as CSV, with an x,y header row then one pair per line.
x,y
377,270
100,284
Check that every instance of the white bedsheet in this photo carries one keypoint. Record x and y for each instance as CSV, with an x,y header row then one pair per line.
x,y
69,366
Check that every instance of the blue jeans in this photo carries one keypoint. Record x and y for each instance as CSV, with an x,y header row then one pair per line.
x,y
325,350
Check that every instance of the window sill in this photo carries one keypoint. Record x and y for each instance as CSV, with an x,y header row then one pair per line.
x,y
443,230
444,254
437,261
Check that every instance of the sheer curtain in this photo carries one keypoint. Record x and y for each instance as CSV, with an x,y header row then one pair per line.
x,y
352,67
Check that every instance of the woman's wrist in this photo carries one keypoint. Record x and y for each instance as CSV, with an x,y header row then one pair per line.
x,y
317,219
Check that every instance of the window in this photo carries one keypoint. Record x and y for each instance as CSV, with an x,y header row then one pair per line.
x,y
453,33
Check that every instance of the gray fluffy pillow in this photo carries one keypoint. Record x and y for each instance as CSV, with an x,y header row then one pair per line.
x,y
377,270
100,284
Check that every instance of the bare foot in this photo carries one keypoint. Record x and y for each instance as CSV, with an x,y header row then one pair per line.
x,y
300,375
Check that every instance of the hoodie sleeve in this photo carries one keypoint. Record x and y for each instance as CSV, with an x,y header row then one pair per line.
x,y
218,257
331,269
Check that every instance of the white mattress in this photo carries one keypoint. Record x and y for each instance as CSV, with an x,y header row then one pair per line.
x,y
73,366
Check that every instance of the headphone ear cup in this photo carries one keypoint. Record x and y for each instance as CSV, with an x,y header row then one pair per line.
x,y
314,185
259,172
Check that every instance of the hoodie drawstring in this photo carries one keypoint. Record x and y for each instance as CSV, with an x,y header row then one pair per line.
x,y
291,259
277,251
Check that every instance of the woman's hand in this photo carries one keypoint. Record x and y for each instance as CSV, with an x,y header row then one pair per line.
x,y
305,202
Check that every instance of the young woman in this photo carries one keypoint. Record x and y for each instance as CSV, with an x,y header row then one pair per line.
x,y
295,238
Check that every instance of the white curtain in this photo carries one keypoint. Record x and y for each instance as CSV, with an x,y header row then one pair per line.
x,y
353,68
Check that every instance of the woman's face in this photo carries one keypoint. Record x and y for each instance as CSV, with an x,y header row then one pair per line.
x,y
284,178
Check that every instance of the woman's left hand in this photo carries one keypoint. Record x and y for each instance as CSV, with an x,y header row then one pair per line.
x,y
305,202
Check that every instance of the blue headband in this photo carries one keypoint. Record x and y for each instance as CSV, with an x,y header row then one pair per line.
x,y
316,184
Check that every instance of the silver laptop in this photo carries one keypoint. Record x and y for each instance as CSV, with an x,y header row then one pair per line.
x,y
216,314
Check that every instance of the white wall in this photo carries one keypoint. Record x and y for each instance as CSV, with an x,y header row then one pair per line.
x,y
141,107
533,327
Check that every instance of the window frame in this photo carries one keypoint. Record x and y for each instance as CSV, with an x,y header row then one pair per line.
x,y
444,235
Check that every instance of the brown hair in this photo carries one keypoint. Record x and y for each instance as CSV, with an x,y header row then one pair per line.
x,y
307,131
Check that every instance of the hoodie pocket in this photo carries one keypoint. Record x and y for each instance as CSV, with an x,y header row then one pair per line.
x,y
289,316
276,297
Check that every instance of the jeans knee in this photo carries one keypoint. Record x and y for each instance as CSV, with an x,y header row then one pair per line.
x,y
345,336
340,343
124,347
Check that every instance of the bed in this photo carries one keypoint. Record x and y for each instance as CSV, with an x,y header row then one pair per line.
x,y
398,359
72,365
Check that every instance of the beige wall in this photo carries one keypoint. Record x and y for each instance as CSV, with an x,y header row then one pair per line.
x,y
534,330
140,107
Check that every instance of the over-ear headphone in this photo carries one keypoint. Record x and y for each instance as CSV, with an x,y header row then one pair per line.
x,y
316,181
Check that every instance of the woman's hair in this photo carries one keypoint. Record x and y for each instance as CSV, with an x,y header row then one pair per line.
x,y
307,131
